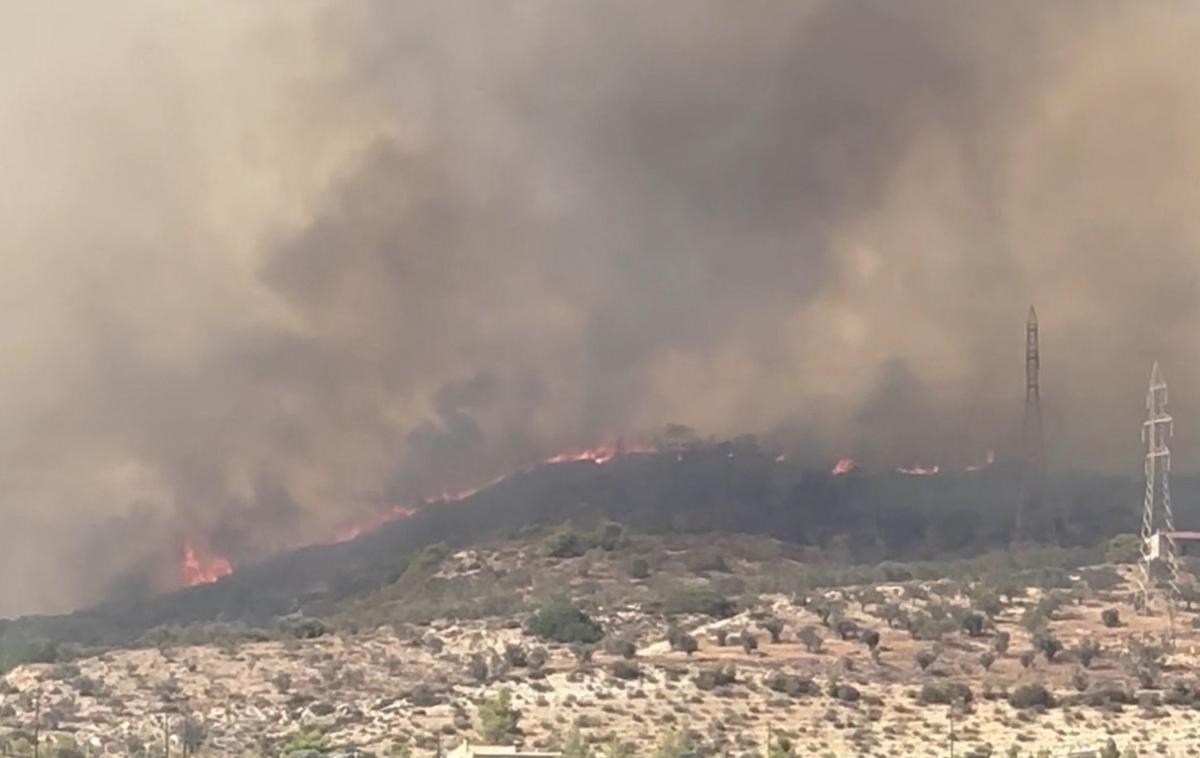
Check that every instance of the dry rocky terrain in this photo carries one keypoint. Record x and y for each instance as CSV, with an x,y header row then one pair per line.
x,y
376,679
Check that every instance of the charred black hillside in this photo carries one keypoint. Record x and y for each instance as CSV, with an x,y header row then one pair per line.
x,y
859,517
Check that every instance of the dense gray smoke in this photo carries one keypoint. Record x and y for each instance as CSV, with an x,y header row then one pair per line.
x,y
271,268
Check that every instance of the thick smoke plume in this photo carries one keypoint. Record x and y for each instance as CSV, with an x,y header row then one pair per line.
x,y
271,268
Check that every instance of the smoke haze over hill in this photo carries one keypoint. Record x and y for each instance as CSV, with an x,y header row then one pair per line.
x,y
272,268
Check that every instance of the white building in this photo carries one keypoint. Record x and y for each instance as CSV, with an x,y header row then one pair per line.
x,y
1185,543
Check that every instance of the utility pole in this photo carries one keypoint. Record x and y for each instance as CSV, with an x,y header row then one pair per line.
x,y
1156,430
166,723
1032,437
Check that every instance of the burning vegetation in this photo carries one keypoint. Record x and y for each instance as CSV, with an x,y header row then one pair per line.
x,y
201,566
206,566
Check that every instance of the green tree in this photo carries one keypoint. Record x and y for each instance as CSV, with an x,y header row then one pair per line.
x,y
1124,548
559,620
497,718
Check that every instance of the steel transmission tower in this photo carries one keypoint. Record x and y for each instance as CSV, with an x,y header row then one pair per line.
x,y
1157,428
1033,441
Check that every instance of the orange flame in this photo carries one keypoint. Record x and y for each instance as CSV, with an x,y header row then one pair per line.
x,y
918,470
373,521
201,567
598,455
197,567
844,466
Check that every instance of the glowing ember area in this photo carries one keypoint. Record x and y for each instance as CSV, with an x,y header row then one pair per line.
x,y
376,520
599,455
918,471
991,458
844,466
201,567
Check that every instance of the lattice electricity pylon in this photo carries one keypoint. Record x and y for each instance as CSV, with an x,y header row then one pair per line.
x,y
1157,428
1033,440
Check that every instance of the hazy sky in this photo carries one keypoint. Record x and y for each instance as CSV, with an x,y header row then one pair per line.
x,y
268,266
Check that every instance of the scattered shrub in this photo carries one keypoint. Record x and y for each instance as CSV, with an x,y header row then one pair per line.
x,y
622,647
790,684
774,628
973,624
925,658
639,568
498,720
846,629
1000,642
558,620
303,628
1087,651
1031,696
870,638
706,561
514,656
1048,645
1079,679
944,693
699,599
1123,548
624,669
477,668
749,642
565,543
682,641
717,676
811,639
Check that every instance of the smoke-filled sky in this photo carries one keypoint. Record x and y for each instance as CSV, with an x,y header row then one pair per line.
x,y
271,266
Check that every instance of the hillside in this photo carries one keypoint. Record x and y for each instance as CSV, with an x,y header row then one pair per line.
x,y
859,518
719,640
